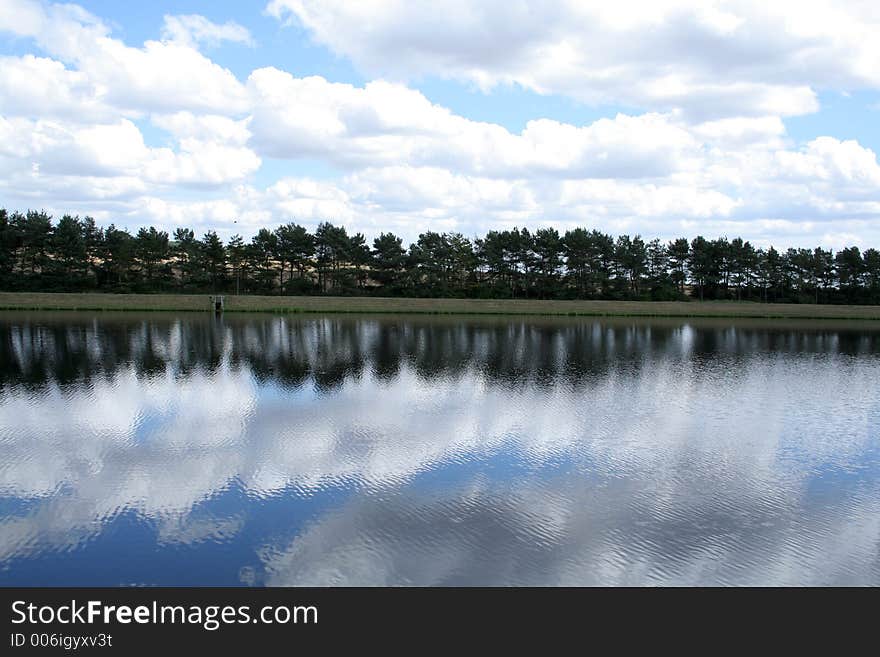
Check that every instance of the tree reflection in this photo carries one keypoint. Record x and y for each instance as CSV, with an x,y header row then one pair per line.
x,y
326,351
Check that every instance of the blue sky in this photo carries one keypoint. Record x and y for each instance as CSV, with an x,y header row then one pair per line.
x,y
664,119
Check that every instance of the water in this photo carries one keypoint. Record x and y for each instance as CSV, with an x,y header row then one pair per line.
x,y
323,450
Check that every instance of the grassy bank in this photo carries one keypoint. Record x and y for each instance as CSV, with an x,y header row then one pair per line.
x,y
188,302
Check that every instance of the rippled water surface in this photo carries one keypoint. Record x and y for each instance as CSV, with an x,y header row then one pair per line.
x,y
266,450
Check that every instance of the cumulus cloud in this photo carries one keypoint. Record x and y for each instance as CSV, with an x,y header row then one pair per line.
x,y
193,29
721,59
158,76
42,87
117,150
716,160
829,160
384,123
208,127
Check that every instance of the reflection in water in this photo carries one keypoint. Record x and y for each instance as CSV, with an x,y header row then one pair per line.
x,y
335,450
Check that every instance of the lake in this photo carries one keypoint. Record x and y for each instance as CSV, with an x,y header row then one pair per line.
x,y
156,449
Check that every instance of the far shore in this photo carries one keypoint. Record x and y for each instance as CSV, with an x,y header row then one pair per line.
x,y
294,304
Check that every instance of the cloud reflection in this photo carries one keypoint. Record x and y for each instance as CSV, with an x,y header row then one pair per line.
x,y
490,452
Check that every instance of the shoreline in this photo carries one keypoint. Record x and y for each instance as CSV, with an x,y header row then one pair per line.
x,y
101,302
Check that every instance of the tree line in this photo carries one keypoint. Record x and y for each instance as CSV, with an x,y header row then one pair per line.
x,y
75,254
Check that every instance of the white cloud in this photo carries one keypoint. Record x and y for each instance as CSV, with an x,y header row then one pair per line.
x,y
710,59
115,149
384,123
209,127
21,17
47,148
41,87
829,160
192,214
201,162
310,200
391,159
160,76
193,29
738,132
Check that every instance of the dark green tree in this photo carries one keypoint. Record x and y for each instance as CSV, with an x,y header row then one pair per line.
x,y
10,243
389,263
678,251
332,247
296,248
186,251
236,254
35,229
213,258
71,255
850,268
631,256
115,251
152,250
703,264
547,250
262,253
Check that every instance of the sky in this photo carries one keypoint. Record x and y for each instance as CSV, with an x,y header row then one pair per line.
x,y
663,119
